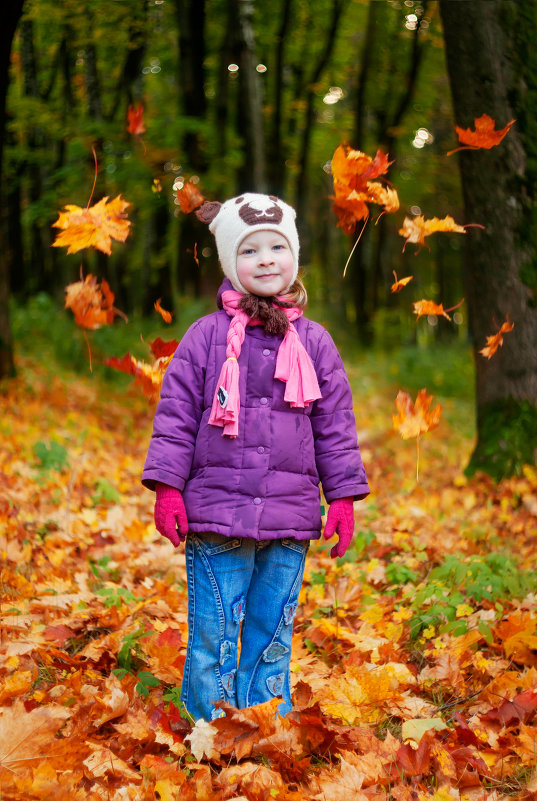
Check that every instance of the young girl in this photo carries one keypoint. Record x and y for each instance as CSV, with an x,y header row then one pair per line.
x,y
255,411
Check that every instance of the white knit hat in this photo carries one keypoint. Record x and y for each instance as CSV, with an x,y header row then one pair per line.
x,y
232,221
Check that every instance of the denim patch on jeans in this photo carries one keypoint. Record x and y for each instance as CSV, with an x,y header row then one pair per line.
x,y
232,581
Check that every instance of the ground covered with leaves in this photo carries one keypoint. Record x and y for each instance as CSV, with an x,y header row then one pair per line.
x,y
414,659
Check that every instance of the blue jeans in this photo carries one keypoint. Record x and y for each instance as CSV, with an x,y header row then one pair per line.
x,y
233,582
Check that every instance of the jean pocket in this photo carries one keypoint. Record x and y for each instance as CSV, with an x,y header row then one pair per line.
x,y
300,546
216,543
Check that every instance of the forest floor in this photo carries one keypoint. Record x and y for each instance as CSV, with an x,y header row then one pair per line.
x,y
414,658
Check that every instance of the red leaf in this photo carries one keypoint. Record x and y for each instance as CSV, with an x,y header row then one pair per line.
x,y
135,116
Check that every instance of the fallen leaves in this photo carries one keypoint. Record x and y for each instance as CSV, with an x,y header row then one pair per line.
x,y
95,226
363,680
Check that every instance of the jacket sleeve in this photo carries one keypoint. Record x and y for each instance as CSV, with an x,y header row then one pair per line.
x,y
178,415
337,452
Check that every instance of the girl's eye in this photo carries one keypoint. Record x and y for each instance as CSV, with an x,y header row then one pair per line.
x,y
279,247
247,251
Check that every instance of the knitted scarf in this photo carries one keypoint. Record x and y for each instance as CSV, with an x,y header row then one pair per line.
x,y
293,365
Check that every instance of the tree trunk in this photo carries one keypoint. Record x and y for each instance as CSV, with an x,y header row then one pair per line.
x,y
492,66
252,176
10,18
276,159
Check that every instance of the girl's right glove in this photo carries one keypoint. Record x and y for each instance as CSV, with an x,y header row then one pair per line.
x,y
170,514
340,520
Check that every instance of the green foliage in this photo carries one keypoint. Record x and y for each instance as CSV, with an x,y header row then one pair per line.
x,y
457,581
116,596
51,456
105,492
507,437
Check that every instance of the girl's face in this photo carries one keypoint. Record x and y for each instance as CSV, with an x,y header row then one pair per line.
x,y
265,263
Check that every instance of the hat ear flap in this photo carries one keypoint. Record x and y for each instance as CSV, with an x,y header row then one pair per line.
x,y
208,211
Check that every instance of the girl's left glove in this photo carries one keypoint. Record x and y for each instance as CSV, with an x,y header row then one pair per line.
x,y
340,521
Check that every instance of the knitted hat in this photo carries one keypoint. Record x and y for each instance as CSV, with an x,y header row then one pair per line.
x,y
232,221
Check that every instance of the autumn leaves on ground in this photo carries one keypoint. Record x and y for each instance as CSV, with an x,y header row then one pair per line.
x,y
414,660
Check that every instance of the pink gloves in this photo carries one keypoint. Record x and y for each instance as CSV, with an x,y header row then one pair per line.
x,y
340,520
170,514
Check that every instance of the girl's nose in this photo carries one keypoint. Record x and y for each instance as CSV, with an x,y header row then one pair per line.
x,y
266,256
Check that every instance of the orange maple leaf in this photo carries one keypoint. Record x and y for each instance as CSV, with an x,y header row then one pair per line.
x,y
135,117
148,376
91,304
95,226
422,307
495,340
400,282
354,188
166,315
414,419
484,136
415,229
189,197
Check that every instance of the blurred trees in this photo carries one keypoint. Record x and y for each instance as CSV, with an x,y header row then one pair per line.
x,y
237,95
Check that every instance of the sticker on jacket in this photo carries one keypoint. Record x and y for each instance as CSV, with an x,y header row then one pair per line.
x,y
222,396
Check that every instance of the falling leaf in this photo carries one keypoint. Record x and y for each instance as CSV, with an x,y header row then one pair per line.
x,y
135,116
95,226
483,137
496,340
147,376
354,187
166,315
415,419
92,304
400,282
415,229
189,197
422,307
156,186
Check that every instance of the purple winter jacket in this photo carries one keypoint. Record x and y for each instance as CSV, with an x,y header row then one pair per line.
x,y
265,483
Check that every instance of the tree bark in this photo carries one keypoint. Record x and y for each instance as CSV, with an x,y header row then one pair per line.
x,y
492,69
10,18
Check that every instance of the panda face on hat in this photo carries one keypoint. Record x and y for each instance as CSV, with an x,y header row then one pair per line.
x,y
232,221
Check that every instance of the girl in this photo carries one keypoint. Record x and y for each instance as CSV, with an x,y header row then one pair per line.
x,y
255,411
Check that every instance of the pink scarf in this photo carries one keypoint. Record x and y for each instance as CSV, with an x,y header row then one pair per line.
x,y
293,365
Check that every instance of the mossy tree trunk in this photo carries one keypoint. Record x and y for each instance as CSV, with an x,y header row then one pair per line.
x,y
492,67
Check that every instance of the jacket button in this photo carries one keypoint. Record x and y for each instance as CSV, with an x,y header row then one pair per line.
x,y
266,352
263,401
261,449
257,501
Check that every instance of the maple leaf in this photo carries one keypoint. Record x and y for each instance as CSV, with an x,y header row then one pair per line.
x,y
400,282
92,304
135,117
166,315
422,307
496,340
189,197
202,740
415,229
415,419
354,188
148,376
519,710
95,226
26,737
483,137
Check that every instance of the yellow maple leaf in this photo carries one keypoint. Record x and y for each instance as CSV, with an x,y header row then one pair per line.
x,y
94,227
